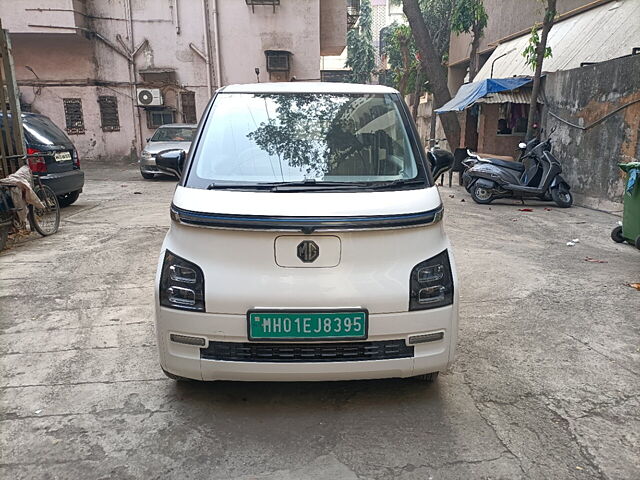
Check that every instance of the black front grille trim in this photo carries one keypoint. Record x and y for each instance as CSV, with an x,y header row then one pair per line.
x,y
306,352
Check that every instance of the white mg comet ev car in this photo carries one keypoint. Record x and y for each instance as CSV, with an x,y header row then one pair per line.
x,y
306,241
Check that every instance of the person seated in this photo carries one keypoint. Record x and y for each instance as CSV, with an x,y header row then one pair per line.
x,y
503,128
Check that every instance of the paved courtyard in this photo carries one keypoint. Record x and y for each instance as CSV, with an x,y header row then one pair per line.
x,y
546,383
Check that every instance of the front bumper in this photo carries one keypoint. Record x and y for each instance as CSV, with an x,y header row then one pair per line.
x,y
148,165
64,182
186,360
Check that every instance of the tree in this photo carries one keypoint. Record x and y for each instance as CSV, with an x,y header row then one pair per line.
x,y
360,52
469,16
434,69
535,54
401,55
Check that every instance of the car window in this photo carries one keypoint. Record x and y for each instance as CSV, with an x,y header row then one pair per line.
x,y
310,137
42,131
173,134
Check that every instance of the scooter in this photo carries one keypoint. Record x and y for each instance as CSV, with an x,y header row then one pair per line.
x,y
492,178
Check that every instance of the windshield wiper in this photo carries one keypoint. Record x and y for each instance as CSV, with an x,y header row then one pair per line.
x,y
399,182
239,186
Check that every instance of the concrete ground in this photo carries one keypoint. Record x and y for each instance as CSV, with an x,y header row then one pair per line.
x,y
545,385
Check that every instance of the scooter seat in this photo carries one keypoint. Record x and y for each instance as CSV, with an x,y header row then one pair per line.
x,y
517,166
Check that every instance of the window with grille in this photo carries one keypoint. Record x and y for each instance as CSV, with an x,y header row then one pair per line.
x,y
73,116
188,101
156,118
109,113
277,60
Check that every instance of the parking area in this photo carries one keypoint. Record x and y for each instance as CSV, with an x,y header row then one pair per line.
x,y
546,382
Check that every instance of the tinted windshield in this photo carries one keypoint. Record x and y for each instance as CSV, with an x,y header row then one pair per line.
x,y
312,138
173,134
43,131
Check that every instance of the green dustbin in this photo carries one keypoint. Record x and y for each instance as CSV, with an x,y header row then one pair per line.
x,y
630,229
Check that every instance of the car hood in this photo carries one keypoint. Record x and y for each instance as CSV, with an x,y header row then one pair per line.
x,y
156,147
307,204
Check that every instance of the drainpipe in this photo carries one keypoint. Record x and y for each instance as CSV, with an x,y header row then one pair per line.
x,y
217,40
132,78
207,45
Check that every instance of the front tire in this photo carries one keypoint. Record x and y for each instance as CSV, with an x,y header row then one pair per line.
x,y
45,220
561,197
427,377
4,234
481,195
616,235
68,199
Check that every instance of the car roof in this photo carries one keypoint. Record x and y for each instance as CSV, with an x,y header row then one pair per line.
x,y
306,87
178,125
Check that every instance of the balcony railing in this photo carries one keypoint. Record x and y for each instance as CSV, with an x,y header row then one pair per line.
x,y
353,13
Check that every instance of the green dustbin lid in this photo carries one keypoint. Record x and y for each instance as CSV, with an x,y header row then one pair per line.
x,y
627,167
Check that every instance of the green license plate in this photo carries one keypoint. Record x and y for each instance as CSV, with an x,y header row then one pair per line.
x,y
311,325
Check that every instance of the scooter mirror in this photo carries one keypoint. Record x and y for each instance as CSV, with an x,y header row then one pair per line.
x,y
522,145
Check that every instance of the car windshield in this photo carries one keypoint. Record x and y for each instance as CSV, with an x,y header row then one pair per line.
x,y
42,131
306,139
173,134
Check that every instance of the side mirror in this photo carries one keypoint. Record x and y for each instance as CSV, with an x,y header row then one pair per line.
x,y
171,161
440,161
522,145
148,138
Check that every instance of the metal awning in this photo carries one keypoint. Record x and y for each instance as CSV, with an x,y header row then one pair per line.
x,y
609,31
469,93
514,96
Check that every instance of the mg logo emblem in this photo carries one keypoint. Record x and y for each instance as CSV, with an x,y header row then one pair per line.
x,y
308,251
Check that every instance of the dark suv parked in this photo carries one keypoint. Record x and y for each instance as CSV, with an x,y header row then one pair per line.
x,y
57,161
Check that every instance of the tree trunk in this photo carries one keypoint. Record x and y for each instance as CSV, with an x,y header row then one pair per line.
x,y
416,94
404,78
473,56
435,71
547,23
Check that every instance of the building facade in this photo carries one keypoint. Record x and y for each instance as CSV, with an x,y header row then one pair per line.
x,y
110,73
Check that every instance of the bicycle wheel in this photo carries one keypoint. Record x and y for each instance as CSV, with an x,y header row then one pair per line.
x,y
45,220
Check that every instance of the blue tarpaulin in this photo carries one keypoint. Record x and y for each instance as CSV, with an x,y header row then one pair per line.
x,y
470,92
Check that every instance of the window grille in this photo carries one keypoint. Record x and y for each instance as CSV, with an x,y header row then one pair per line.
x,y
277,60
188,101
109,113
73,116
156,118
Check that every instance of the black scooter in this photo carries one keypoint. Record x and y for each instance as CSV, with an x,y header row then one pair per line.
x,y
535,175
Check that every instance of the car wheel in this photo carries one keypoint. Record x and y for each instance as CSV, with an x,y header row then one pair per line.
x,y
147,176
427,377
177,378
481,195
638,242
616,235
68,199
4,234
563,198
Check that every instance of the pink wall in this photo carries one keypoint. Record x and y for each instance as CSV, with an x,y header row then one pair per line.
x,y
69,65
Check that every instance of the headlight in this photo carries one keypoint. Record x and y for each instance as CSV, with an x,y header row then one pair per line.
x,y
181,284
146,155
431,283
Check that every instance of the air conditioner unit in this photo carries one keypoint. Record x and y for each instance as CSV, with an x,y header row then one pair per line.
x,y
149,97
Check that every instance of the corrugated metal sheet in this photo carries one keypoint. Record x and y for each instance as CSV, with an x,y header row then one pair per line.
x,y
521,96
605,32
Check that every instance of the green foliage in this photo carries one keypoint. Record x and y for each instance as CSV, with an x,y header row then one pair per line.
x,y
530,53
400,49
468,16
360,52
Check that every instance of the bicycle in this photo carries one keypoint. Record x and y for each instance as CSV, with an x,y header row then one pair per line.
x,y
45,221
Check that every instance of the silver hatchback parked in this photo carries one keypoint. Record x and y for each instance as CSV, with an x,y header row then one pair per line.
x,y
167,137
